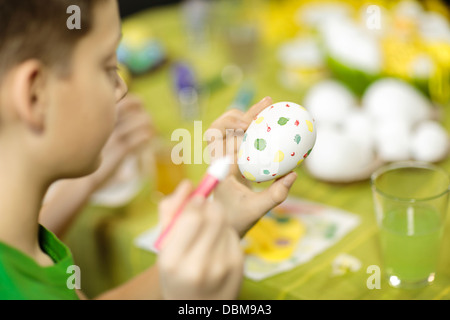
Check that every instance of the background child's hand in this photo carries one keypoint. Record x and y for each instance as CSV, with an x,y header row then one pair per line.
x,y
133,130
245,207
201,257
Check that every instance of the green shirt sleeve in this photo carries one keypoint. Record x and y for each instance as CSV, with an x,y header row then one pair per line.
x,y
21,278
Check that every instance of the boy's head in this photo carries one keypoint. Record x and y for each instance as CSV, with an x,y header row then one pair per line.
x,y
58,86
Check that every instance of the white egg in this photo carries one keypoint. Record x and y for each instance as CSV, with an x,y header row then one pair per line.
x,y
429,142
316,14
409,9
360,126
394,99
434,26
301,53
329,102
353,45
392,140
276,142
337,157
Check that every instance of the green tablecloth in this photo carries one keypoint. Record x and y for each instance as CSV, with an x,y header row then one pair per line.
x,y
102,238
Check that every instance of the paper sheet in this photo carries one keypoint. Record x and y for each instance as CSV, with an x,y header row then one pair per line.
x,y
324,227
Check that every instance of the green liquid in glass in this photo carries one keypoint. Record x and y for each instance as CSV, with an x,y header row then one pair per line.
x,y
410,241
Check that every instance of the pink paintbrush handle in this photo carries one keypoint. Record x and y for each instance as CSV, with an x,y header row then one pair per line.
x,y
204,189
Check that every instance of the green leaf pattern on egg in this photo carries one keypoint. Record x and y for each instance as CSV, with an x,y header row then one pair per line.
x,y
297,139
283,121
260,144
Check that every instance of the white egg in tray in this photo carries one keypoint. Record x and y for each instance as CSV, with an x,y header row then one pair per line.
x,y
392,122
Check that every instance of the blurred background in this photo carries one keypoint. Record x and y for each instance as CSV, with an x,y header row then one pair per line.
x,y
375,75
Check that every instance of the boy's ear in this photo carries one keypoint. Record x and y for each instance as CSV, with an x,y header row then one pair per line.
x,y
29,94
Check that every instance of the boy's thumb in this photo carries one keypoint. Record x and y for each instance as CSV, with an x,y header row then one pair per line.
x,y
276,193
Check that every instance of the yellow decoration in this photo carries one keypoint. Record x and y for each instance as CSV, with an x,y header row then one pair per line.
x,y
274,240
310,125
249,176
259,120
300,162
279,156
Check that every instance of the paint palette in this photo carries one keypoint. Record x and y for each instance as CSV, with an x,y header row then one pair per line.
x,y
276,142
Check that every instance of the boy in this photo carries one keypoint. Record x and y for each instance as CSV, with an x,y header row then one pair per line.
x,y
58,90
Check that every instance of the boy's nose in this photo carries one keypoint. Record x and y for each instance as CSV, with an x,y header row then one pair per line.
x,y
122,89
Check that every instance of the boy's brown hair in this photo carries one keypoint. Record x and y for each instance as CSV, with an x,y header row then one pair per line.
x,y
37,29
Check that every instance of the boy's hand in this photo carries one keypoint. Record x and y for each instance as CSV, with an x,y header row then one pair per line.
x,y
201,257
245,207
133,129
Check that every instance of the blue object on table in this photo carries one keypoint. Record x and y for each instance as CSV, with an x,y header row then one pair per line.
x,y
142,58
244,97
187,90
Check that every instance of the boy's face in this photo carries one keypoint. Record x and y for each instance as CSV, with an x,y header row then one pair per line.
x,y
83,112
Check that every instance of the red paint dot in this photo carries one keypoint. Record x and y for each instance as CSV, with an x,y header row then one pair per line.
x,y
288,106
293,154
268,128
306,154
274,175
297,123
271,107
248,158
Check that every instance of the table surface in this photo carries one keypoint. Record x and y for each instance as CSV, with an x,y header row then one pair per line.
x,y
102,238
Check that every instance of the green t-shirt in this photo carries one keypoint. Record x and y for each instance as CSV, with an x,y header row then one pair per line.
x,y
21,278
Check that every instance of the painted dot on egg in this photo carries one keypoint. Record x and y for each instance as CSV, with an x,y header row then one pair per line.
x,y
300,162
282,121
266,172
297,139
279,156
307,154
260,144
249,176
297,123
259,120
310,125
241,151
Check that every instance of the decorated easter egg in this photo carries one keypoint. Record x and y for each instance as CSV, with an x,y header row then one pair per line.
x,y
278,140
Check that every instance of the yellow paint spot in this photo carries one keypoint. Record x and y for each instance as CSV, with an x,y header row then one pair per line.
x,y
310,125
240,153
300,162
259,120
249,176
279,156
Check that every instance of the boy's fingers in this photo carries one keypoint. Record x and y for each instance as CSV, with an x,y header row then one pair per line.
x,y
185,230
276,193
229,122
213,222
256,109
169,205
